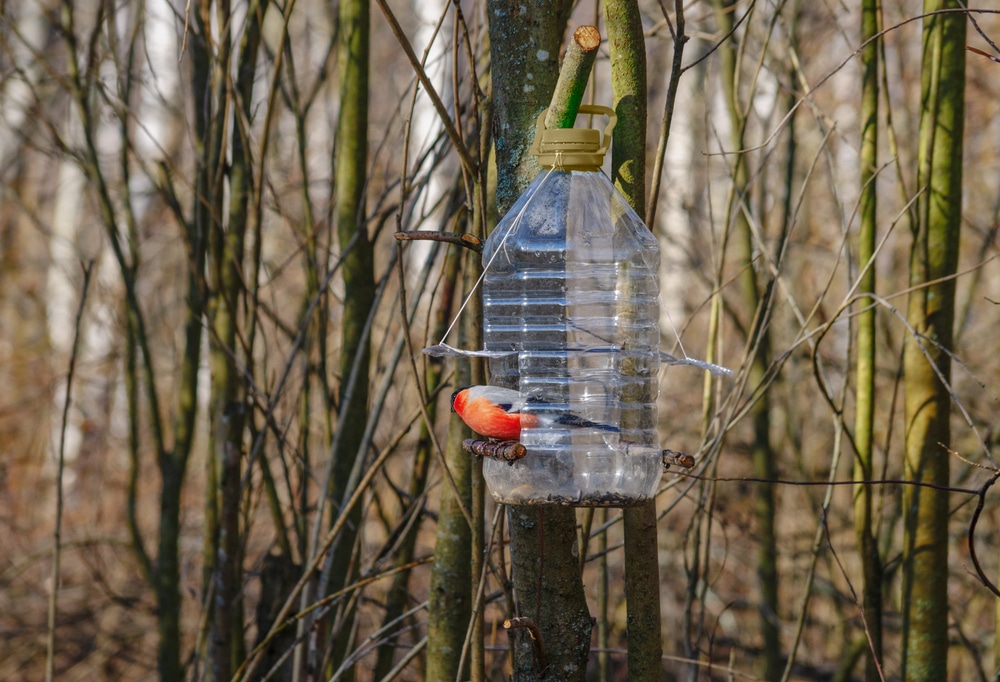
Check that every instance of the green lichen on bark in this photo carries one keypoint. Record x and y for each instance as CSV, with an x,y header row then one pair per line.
x,y
524,51
627,48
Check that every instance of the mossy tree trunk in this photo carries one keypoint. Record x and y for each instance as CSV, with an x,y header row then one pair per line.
x,y
350,172
926,359
524,54
452,590
865,345
455,619
227,403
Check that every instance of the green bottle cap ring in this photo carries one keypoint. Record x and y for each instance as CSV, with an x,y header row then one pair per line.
x,y
573,148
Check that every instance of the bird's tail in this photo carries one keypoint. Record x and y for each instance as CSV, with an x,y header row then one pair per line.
x,y
575,420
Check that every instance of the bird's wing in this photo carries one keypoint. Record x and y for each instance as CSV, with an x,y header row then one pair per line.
x,y
507,399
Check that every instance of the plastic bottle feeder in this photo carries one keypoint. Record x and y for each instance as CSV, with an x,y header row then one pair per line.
x,y
571,317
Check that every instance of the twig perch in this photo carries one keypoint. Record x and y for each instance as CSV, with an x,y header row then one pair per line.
x,y
681,459
506,451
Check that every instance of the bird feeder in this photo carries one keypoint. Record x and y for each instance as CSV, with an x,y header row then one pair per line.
x,y
571,321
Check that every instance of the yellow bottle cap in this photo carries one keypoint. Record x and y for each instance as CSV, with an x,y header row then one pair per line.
x,y
573,148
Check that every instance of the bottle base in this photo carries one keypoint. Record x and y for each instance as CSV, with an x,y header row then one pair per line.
x,y
585,475
579,499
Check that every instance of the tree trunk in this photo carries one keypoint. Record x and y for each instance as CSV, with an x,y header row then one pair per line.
x,y
522,44
351,169
865,345
227,403
926,362
451,588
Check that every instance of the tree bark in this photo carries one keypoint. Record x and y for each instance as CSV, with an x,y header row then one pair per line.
x,y
865,345
926,359
350,171
524,51
228,408
451,588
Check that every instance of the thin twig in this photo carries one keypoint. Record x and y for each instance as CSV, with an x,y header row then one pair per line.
x,y
979,30
807,484
821,530
722,41
449,125
680,39
412,653
469,241
477,606
972,533
854,596
50,658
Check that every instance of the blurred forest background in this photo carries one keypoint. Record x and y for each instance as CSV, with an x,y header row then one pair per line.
x,y
212,378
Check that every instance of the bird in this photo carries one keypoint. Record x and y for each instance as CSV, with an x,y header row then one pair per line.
x,y
495,412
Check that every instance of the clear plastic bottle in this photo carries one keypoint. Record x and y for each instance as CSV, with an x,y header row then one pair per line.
x,y
571,295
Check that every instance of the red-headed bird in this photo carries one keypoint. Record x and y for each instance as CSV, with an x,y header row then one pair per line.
x,y
495,412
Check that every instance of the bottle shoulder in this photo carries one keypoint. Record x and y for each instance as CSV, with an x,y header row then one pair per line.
x,y
576,212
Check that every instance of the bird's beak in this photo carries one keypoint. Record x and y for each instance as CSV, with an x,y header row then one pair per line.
x,y
453,396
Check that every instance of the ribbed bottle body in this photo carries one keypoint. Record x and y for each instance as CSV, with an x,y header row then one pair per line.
x,y
571,296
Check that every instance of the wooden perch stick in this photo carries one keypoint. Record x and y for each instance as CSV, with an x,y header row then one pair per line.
x,y
681,459
469,241
573,76
507,451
